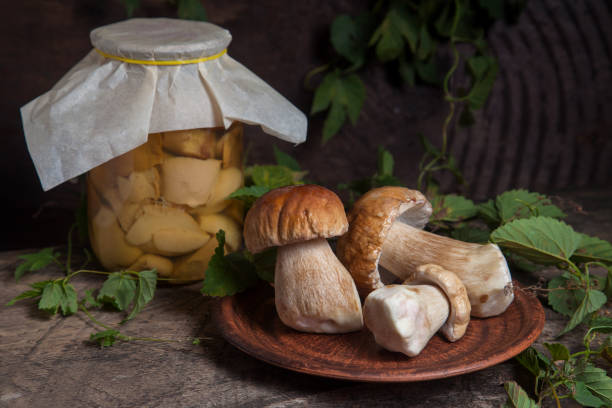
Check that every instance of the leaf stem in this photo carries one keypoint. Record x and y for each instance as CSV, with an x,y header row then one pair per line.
x,y
93,319
312,73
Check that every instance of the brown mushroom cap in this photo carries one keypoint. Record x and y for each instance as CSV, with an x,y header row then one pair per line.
x,y
369,222
455,326
292,214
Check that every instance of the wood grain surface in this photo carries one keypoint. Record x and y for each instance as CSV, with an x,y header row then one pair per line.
x,y
250,322
49,362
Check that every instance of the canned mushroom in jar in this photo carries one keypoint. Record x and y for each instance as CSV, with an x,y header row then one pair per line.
x,y
161,204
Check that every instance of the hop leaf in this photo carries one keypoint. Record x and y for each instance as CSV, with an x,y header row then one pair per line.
x,y
541,240
105,338
517,397
36,261
118,290
147,283
58,295
229,274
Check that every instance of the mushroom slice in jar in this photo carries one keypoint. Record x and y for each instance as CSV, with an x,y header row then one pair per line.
x,y
151,261
229,147
313,290
459,317
228,181
385,228
404,318
189,181
199,143
109,242
166,231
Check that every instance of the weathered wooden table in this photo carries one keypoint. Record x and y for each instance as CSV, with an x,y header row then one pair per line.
x,y
50,362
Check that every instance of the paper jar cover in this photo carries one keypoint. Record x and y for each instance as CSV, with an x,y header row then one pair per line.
x,y
146,76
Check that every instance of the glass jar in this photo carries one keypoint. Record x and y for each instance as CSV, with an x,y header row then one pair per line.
x,y
161,204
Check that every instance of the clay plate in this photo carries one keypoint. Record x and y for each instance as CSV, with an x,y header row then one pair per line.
x,y
249,322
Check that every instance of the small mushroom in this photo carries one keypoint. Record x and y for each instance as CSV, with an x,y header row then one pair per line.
x,y
404,318
455,326
313,291
385,227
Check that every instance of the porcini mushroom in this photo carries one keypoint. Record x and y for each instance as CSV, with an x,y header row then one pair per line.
x,y
313,291
385,227
459,315
404,317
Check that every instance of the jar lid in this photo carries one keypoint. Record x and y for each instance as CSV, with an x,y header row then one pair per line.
x,y
160,39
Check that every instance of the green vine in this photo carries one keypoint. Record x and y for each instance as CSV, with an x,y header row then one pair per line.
x,y
407,35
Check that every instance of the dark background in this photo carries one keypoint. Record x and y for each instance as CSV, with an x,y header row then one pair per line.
x,y
545,127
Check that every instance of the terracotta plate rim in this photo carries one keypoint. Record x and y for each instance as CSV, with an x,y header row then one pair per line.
x,y
226,318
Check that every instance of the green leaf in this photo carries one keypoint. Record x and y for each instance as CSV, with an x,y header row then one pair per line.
x,y
488,212
593,249
147,282
478,65
324,93
191,10
345,94
452,208
351,94
388,38
349,37
264,262
541,240
426,45
105,338
533,361
471,234
515,204
596,381
385,162
517,397
249,194
118,290
334,120
229,274
29,294
271,176
607,289
558,351
584,397
592,301
482,86
51,298
601,324
429,147
407,24
36,261
428,71
68,302
283,159
444,22
562,298
89,300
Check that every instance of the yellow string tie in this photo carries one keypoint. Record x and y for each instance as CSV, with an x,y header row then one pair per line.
x,y
153,62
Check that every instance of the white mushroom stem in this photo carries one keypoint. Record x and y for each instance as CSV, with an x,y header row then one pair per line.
x,y
482,268
404,318
313,291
